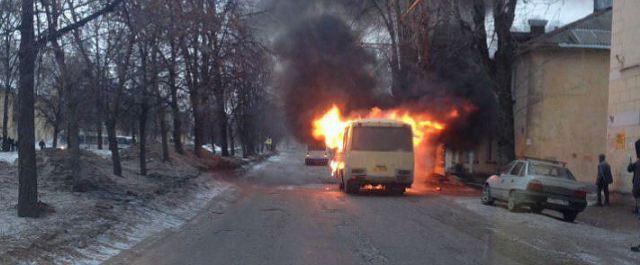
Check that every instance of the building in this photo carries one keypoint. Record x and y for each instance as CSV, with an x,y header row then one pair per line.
x,y
623,121
42,130
560,89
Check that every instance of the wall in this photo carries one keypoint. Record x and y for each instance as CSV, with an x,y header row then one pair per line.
x,y
560,107
624,90
42,131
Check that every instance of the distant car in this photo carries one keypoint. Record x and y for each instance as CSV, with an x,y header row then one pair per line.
x,y
538,184
317,154
377,152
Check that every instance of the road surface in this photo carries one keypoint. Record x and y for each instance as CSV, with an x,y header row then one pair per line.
x,y
286,213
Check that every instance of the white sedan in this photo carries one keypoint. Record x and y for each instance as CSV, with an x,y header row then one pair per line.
x,y
538,184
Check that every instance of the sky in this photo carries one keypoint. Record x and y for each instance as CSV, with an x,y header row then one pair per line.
x,y
558,12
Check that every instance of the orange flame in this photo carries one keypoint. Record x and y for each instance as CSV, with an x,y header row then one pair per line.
x,y
330,127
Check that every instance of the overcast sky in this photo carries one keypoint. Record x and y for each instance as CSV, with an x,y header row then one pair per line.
x,y
558,12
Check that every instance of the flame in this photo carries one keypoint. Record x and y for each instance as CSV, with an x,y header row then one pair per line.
x,y
331,125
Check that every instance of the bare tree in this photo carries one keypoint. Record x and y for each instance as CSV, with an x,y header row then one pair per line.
x,y
29,45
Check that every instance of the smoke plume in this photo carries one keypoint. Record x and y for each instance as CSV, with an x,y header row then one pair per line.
x,y
323,63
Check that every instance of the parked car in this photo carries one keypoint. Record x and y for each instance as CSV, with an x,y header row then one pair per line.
x,y
538,184
376,152
317,154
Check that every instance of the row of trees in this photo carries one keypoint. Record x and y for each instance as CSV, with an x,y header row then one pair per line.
x,y
468,43
187,69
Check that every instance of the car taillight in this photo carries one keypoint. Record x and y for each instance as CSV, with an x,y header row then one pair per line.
x,y
580,194
535,186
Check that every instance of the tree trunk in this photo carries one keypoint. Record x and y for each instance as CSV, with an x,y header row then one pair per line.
x,y
113,146
56,132
74,144
175,111
198,129
5,114
232,141
143,137
99,134
27,173
504,14
163,136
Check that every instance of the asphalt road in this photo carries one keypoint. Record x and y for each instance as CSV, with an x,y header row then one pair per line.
x,y
286,213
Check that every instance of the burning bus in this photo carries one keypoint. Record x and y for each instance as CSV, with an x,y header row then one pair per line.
x,y
376,152
384,148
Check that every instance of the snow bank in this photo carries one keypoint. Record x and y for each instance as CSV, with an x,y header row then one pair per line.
x,y
9,157
117,213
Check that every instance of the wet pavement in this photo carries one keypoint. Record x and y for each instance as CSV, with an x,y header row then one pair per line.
x,y
287,213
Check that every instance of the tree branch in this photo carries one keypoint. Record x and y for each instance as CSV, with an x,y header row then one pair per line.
x,y
51,34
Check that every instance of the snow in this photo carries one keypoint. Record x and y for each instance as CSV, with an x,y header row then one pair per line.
x,y
144,221
104,153
91,227
576,235
9,157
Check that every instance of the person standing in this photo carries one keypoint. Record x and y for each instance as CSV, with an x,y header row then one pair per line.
x,y
604,180
42,144
635,168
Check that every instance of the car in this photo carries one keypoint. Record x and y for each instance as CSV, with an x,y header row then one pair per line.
x,y
376,152
538,184
317,154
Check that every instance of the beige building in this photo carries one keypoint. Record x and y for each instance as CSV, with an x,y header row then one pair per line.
x,y
560,88
42,131
624,90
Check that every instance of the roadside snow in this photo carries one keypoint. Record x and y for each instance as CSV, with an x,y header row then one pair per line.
x,y
144,221
578,240
115,214
9,157
104,153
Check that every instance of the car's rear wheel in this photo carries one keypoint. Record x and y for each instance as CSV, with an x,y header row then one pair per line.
x,y
352,189
486,198
397,190
512,203
536,208
569,216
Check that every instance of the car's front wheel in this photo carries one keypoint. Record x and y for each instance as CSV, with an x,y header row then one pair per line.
x,y
536,209
569,216
512,203
486,198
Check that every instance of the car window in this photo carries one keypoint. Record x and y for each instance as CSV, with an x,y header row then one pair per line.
x,y
516,169
523,171
505,170
548,170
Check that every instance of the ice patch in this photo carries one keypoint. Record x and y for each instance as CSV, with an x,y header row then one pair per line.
x,y
9,157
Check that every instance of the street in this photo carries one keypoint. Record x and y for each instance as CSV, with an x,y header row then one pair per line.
x,y
286,213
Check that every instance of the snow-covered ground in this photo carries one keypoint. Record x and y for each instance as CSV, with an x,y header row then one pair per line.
x,y
88,228
576,239
9,157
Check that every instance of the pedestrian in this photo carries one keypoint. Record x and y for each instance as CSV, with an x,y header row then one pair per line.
x,y
42,144
11,144
635,168
604,180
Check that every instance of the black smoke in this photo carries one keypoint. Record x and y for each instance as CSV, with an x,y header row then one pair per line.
x,y
323,63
